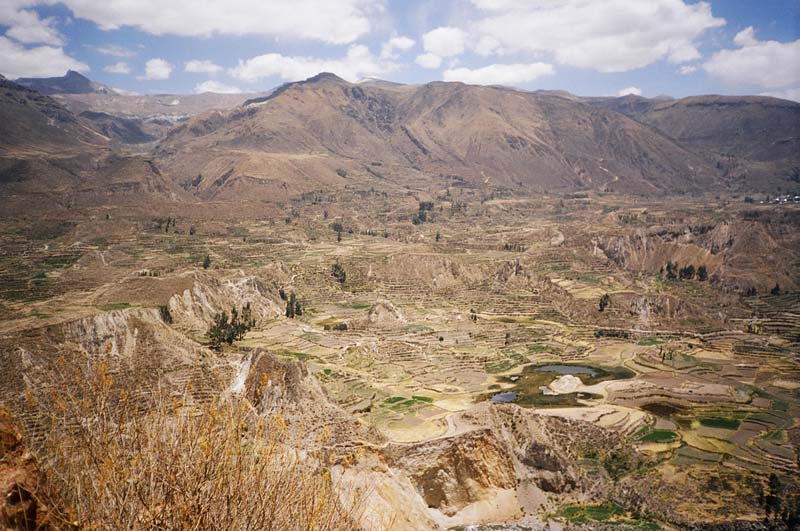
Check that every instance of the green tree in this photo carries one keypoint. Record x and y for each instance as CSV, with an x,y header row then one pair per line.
x,y
672,270
339,273
702,273
776,290
605,300
226,330
206,262
165,314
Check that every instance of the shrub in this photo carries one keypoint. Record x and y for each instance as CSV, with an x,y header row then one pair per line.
x,y
605,300
165,314
339,273
113,463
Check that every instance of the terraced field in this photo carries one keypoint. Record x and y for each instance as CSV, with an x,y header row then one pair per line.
x,y
494,301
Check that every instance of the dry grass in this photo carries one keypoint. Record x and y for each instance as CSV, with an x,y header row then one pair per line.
x,y
118,463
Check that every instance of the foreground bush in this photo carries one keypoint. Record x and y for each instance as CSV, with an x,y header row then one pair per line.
x,y
113,462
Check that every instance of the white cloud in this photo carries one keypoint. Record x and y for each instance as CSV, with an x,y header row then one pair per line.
x,y
112,50
401,43
202,67
488,45
428,60
746,37
609,36
118,68
357,64
333,21
24,25
41,61
214,86
688,69
787,94
767,64
157,69
445,41
627,91
500,74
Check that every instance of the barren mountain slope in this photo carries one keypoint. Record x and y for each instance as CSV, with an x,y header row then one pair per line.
x,y
757,137
474,134
52,159
32,123
70,83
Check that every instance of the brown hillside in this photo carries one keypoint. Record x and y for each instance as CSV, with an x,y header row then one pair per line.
x,y
478,135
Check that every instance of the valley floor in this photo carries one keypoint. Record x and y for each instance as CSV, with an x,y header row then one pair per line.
x,y
505,359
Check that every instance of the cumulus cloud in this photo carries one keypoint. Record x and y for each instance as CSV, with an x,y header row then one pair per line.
x,y
356,64
202,67
608,35
41,61
333,21
766,64
118,68
441,42
157,69
688,69
628,91
500,74
444,41
24,25
428,60
401,43
214,86
112,50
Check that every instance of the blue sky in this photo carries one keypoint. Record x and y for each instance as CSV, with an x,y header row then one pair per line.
x,y
588,47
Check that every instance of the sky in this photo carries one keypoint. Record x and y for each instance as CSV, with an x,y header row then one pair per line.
x,y
587,47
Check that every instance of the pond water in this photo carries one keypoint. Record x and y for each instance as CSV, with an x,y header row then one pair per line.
x,y
525,388
508,396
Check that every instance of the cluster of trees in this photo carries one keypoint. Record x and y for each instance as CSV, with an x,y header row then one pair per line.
x,y
675,272
611,332
338,272
752,291
165,224
515,247
226,329
338,228
776,509
422,215
293,306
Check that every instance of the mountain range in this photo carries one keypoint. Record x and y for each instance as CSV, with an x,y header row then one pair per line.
x,y
327,133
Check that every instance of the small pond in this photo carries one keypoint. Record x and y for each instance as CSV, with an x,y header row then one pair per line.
x,y
526,387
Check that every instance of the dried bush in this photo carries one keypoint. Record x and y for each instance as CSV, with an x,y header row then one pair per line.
x,y
117,459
